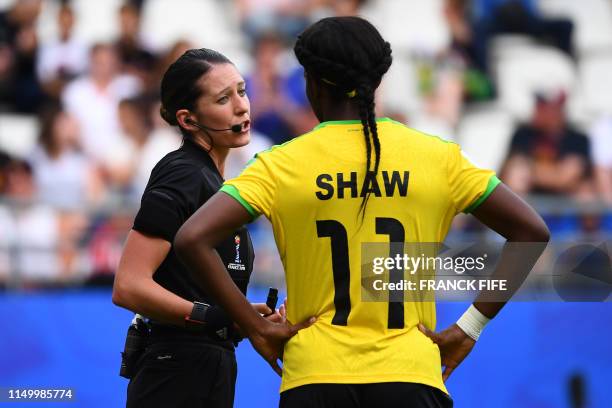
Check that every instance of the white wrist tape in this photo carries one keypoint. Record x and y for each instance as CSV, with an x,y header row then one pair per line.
x,y
472,322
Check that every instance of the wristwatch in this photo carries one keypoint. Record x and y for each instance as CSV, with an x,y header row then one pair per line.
x,y
196,321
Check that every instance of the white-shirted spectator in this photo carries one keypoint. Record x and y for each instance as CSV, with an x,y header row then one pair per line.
x,y
64,58
64,177
94,100
131,160
35,228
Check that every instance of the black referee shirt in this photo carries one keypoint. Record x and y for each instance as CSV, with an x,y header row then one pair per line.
x,y
179,184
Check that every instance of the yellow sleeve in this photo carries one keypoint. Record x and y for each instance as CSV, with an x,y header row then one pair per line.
x,y
254,188
469,185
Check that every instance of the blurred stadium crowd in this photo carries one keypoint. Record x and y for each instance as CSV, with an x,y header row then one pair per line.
x,y
525,86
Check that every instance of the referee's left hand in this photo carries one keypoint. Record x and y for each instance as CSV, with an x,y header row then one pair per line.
x,y
270,338
454,346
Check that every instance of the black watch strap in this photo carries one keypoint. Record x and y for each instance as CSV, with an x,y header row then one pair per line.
x,y
197,319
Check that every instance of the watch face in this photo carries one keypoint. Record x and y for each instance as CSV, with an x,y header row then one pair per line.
x,y
199,311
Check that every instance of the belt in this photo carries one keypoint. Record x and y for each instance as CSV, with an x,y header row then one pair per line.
x,y
166,333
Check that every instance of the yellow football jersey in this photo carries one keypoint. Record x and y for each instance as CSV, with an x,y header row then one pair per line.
x,y
311,189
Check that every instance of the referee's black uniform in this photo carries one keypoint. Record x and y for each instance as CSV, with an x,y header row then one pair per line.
x,y
181,368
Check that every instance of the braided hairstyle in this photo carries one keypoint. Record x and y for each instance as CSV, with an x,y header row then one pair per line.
x,y
349,56
179,88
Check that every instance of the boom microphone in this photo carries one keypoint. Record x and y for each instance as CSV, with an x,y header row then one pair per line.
x,y
234,128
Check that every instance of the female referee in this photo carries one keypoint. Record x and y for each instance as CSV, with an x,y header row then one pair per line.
x,y
353,179
189,360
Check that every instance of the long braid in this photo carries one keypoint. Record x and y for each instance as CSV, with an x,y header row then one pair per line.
x,y
348,55
365,102
374,132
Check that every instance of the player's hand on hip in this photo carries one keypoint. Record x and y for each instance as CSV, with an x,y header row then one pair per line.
x,y
270,340
454,346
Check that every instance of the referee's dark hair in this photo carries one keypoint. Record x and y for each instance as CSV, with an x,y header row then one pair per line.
x,y
179,88
348,56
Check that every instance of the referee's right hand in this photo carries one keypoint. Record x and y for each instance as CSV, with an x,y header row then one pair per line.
x,y
270,338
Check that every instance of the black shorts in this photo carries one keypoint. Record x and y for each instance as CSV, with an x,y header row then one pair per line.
x,y
379,395
186,375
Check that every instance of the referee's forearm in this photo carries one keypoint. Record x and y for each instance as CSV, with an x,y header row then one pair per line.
x,y
150,299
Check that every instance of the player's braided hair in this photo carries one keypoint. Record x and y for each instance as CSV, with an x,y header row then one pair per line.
x,y
349,55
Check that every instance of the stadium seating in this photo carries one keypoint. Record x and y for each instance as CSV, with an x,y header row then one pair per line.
x,y
484,132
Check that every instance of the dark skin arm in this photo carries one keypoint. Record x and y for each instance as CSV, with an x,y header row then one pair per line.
x,y
135,289
511,217
195,244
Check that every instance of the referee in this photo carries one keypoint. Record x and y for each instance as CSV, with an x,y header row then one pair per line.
x,y
189,357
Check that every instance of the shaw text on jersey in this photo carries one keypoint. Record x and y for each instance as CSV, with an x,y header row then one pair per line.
x,y
388,183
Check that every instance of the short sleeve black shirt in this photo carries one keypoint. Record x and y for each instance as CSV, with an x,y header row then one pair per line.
x,y
179,184
529,141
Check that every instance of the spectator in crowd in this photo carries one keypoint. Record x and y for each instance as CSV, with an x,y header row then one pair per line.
x,y
302,118
94,100
64,178
269,114
279,106
131,161
4,161
478,85
285,16
19,86
35,228
548,156
474,23
105,246
346,7
133,49
163,62
601,137
63,59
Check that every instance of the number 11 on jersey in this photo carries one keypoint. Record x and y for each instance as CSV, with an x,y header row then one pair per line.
x,y
342,273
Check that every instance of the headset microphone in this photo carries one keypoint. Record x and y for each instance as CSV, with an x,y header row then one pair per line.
x,y
234,128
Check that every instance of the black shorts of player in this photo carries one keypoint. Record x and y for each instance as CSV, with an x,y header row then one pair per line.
x,y
376,395
185,375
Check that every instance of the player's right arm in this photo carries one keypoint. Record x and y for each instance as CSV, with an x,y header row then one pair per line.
x,y
514,219
511,217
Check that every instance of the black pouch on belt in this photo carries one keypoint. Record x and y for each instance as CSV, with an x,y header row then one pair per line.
x,y
135,345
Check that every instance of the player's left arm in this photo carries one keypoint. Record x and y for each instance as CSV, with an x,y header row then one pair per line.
x,y
514,219
195,244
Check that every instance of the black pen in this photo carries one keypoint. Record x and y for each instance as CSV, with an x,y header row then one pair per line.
x,y
272,300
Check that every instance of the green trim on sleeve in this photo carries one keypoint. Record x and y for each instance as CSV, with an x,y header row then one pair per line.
x,y
493,182
234,193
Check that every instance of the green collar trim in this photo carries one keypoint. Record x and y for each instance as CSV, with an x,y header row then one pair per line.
x,y
347,122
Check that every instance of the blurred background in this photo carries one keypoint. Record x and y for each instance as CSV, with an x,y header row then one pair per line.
x,y
524,86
